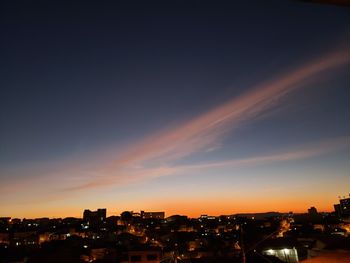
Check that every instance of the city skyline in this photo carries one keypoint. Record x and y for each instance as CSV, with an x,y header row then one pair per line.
x,y
200,110
139,213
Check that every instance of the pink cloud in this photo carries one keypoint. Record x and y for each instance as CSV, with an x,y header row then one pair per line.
x,y
208,130
154,155
313,150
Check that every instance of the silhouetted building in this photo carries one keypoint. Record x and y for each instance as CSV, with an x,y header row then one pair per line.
x,y
94,218
150,215
343,208
337,209
5,220
312,211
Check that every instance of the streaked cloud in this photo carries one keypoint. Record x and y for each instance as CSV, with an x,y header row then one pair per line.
x,y
154,155
209,128
312,150
137,174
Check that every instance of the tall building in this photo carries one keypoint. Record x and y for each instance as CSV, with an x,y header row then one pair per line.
x,y
343,208
337,209
312,211
94,218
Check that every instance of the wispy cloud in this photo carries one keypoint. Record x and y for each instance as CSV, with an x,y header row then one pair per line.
x,y
102,180
137,174
154,155
312,150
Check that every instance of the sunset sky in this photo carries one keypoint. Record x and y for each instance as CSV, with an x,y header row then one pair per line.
x,y
188,107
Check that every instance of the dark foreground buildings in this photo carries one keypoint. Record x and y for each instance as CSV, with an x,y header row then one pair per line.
x,y
150,237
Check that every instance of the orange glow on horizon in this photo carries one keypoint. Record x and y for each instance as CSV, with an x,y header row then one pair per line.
x,y
191,209
155,156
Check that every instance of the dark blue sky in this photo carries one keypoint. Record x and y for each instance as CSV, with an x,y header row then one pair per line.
x,y
78,78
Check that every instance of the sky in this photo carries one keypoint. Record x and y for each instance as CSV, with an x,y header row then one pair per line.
x,y
187,107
